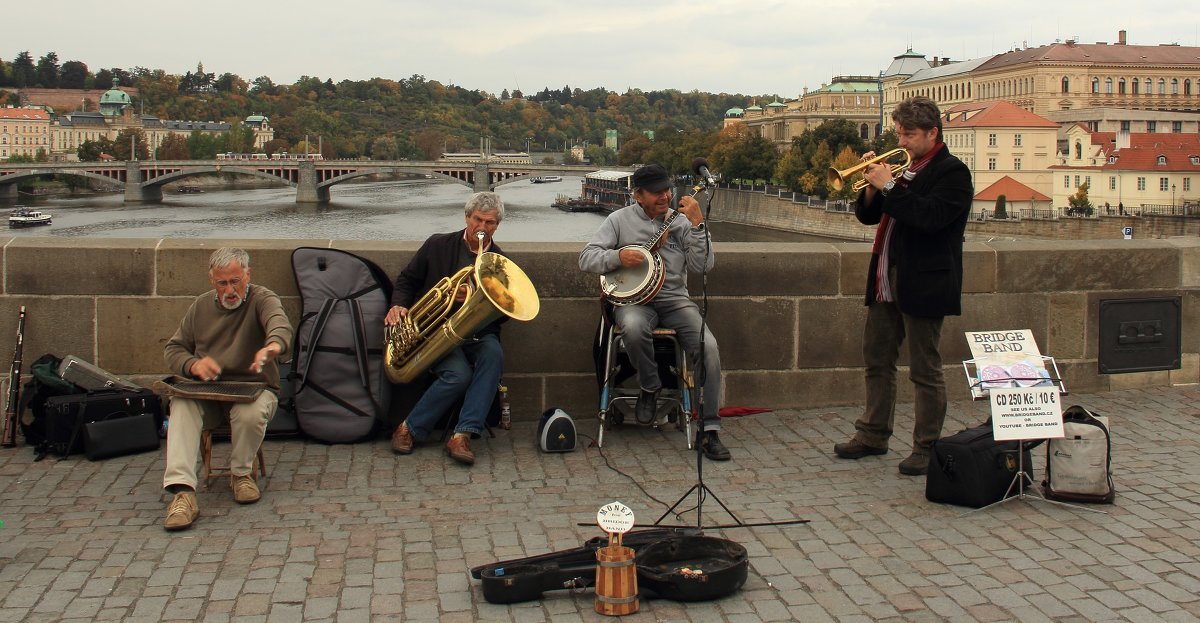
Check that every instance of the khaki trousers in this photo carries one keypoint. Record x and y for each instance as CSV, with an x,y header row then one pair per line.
x,y
886,329
247,423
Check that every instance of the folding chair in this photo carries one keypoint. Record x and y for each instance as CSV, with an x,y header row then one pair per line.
x,y
618,401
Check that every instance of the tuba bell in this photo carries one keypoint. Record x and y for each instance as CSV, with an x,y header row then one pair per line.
x,y
496,287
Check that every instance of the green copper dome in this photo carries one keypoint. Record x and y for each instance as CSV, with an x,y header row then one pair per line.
x,y
114,100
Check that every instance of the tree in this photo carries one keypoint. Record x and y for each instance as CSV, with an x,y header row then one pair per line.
x,y
385,148
24,73
791,170
89,151
633,150
274,146
3,75
173,147
127,138
74,75
1001,208
600,155
47,71
1079,201
430,142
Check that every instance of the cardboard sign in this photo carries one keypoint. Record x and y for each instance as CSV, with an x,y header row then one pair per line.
x,y
1008,358
1026,413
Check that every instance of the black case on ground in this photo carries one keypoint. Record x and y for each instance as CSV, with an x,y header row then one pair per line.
x,y
117,437
67,415
970,468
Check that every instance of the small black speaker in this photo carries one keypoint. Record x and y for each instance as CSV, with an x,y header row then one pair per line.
x,y
556,431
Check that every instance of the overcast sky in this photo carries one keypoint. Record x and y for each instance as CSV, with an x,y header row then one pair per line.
x,y
733,46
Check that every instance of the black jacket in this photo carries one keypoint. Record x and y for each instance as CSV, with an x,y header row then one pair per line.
x,y
926,247
442,255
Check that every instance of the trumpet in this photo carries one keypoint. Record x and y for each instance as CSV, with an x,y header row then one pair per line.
x,y
837,179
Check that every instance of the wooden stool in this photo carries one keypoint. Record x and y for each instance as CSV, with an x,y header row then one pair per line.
x,y
212,473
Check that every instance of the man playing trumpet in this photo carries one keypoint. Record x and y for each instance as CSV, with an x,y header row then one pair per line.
x,y
472,370
914,281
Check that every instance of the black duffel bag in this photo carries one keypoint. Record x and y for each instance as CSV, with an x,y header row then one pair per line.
x,y
970,468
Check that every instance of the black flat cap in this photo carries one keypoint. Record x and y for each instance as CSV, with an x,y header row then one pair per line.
x,y
652,178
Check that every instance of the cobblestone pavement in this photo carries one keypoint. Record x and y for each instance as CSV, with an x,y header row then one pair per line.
x,y
355,533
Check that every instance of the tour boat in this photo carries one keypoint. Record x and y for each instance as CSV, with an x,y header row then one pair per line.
x,y
545,179
603,191
22,216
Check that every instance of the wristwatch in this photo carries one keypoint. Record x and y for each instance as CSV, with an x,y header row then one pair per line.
x,y
887,188
699,228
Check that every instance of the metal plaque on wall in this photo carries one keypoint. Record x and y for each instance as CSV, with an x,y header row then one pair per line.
x,y
1140,335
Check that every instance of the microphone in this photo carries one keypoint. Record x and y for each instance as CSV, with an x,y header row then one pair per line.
x,y
700,168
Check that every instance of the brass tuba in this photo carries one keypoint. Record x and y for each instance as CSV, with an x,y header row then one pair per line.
x,y
497,286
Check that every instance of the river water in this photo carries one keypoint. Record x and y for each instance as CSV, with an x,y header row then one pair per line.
x,y
389,210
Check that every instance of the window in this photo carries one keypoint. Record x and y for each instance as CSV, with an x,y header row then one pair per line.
x,y
1125,125
1066,181
1149,86
991,140
1135,86
1112,182
1162,86
1087,179
1187,86
1151,127
1187,184
1078,150
1121,87
1016,140
1076,181
1108,86
1066,85
1141,183
991,164
1194,159
1174,86
1163,184
1016,164
1177,127
1162,160
1095,85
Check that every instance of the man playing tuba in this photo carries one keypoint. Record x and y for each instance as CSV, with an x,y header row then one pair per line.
x,y
472,370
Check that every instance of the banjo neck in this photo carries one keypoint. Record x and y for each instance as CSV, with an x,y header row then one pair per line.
x,y
652,243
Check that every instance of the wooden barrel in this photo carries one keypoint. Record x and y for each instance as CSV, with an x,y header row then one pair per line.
x,y
616,581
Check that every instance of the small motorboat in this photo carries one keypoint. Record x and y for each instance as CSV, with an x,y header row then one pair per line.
x,y
546,179
22,216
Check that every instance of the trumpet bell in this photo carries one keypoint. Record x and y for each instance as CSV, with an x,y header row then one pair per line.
x,y
836,179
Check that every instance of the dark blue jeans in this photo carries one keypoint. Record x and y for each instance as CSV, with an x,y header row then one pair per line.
x,y
471,372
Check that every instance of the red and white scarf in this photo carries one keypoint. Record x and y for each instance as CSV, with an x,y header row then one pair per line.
x,y
883,234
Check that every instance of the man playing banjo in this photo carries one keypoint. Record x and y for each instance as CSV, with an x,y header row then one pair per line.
x,y
645,244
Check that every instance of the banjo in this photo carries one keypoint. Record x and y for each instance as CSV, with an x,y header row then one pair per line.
x,y
634,285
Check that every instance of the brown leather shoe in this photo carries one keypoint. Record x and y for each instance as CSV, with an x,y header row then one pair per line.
x,y
855,449
459,449
182,511
402,440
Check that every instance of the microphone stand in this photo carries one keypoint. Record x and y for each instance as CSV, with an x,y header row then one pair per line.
x,y
702,490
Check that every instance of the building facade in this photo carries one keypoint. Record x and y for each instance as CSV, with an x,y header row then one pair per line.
x,y
1130,172
997,140
23,131
854,98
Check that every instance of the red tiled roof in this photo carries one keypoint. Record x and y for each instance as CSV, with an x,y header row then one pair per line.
x,y
26,114
993,114
1012,191
1145,158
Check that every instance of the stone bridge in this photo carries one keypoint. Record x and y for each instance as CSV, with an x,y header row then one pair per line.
x,y
143,180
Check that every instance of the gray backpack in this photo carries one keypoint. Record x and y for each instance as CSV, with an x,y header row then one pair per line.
x,y
340,387
1079,465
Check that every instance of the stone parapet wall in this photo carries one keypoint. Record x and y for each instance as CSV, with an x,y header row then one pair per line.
x,y
788,317
768,209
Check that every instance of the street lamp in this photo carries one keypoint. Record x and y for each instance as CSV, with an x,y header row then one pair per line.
x,y
1172,198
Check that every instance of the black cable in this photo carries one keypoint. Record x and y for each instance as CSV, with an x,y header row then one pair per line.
x,y
609,464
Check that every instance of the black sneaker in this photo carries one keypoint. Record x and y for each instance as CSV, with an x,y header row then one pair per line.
x,y
713,448
647,407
